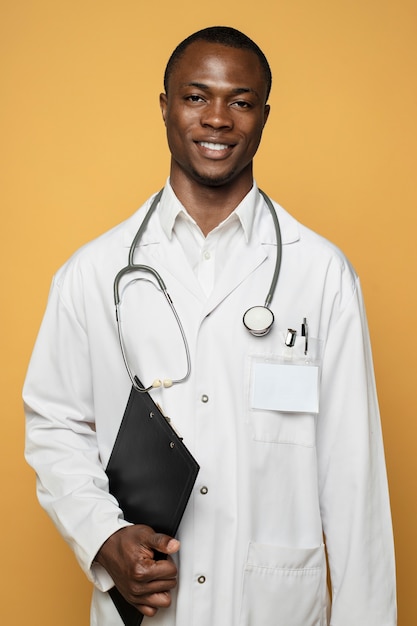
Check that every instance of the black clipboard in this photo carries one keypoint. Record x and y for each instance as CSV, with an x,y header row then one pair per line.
x,y
151,474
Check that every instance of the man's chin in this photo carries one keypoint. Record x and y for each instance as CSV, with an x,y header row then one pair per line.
x,y
213,180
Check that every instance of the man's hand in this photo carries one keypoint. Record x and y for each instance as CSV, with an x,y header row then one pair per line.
x,y
128,556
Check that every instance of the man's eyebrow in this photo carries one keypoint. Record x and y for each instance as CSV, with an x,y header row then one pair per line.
x,y
236,90
244,90
198,85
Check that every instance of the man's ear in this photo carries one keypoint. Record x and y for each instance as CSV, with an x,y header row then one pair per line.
x,y
163,103
266,113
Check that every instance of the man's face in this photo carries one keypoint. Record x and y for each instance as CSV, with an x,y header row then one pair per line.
x,y
214,114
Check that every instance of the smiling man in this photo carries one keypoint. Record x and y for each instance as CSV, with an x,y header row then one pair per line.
x,y
214,110
281,415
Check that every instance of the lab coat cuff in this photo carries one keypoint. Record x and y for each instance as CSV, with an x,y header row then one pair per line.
x,y
96,572
100,577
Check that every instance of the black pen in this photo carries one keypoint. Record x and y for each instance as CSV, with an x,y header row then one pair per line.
x,y
304,333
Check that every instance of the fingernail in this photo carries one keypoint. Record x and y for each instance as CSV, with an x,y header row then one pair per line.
x,y
173,545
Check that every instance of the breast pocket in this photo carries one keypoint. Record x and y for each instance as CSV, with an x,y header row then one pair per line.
x,y
286,428
283,396
284,587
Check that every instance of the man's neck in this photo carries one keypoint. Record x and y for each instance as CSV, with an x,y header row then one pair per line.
x,y
209,205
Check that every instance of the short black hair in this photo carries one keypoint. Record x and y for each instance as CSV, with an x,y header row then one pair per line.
x,y
226,36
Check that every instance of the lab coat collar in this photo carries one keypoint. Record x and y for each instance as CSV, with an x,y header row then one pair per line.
x,y
251,216
253,253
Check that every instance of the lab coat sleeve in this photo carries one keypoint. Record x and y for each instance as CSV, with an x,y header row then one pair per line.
x,y
61,442
352,477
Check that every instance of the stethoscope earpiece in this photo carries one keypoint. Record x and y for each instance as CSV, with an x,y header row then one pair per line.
x,y
258,320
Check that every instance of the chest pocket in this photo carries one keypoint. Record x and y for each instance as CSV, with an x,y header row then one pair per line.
x,y
280,427
282,420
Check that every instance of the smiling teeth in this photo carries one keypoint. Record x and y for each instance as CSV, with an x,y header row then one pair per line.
x,y
213,146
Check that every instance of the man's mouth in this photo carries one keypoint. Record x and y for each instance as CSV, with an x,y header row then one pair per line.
x,y
213,146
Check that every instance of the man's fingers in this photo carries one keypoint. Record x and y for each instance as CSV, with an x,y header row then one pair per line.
x,y
162,543
159,576
129,557
149,603
154,601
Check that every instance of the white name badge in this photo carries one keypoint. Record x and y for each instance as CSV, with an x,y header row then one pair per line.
x,y
285,387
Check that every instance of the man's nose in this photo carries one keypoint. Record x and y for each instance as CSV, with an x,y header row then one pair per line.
x,y
217,115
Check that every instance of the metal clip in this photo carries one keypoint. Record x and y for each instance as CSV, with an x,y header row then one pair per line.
x,y
290,339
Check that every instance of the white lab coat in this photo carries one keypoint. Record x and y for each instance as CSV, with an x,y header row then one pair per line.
x,y
277,485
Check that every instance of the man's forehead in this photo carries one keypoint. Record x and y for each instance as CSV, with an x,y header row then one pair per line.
x,y
204,57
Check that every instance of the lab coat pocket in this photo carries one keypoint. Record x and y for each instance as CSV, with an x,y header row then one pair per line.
x,y
280,427
283,396
284,587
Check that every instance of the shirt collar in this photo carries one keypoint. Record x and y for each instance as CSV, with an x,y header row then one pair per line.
x,y
170,208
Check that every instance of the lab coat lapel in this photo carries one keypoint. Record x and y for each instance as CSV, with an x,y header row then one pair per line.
x,y
245,260
170,257
165,255
250,255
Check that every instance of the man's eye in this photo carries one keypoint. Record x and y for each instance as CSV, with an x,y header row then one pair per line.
x,y
194,98
242,104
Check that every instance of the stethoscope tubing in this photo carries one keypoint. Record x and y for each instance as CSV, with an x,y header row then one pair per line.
x,y
278,259
133,267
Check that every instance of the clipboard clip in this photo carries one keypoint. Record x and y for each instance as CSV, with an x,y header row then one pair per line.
x,y
169,420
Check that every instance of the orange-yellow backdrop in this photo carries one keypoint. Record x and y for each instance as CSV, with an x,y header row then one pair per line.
x,y
83,145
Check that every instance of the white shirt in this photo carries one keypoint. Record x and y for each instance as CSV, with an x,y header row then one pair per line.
x,y
207,255
270,483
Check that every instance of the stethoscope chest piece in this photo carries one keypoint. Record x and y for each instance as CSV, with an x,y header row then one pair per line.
x,y
258,320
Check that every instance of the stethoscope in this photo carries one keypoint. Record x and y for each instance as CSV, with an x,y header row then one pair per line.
x,y
258,319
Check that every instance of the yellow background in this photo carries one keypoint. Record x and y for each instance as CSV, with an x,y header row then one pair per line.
x,y
83,146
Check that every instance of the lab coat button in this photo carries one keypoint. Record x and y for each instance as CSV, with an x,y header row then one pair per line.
x,y
207,255
204,398
203,490
201,579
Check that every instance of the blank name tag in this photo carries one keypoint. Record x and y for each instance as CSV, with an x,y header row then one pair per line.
x,y
281,387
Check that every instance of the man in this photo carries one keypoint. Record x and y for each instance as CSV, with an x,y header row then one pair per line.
x,y
280,470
